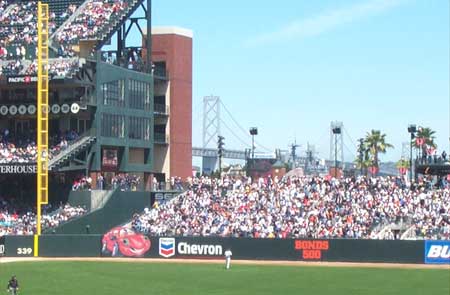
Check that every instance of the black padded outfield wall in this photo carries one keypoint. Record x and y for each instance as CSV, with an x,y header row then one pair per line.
x,y
287,249
129,244
18,246
69,245
2,246
123,242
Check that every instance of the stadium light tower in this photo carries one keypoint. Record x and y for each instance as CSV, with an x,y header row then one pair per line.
x,y
220,149
336,130
412,130
253,132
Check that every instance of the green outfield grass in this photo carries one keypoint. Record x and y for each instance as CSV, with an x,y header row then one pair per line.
x,y
110,278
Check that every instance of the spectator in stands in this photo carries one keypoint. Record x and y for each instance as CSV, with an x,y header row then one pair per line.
x,y
100,181
14,223
82,183
300,207
91,22
22,149
126,182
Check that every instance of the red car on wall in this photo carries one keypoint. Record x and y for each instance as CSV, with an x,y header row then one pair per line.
x,y
122,241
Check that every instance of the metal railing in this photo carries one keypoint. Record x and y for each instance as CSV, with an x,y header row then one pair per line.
x,y
432,160
83,138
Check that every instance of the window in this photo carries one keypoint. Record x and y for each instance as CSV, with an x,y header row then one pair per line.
x,y
114,93
139,128
139,95
113,125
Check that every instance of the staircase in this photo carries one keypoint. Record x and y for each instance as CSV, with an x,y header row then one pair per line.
x,y
107,31
133,5
402,225
75,148
52,43
409,234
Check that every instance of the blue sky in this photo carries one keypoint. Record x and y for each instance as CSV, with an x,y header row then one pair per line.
x,y
290,67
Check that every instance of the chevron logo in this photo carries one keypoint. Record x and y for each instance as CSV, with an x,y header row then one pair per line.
x,y
167,247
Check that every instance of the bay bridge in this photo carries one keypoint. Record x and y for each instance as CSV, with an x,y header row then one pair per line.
x,y
214,124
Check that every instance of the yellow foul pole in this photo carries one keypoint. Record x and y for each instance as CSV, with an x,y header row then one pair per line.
x,y
42,118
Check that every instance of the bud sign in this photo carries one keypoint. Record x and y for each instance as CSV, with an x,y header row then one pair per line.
x,y
437,252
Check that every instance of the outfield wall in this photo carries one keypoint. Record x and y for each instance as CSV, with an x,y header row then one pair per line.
x,y
2,246
125,243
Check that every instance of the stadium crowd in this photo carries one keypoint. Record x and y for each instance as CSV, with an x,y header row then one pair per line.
x,y
91,22
312,207
22,149
18,33
18,29
14,221
58,67
21,29
126,182
121,181
18,38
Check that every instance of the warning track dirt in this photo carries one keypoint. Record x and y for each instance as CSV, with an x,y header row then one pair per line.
x,y
221,261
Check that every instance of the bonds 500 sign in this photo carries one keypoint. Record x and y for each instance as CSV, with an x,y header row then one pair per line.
x,y
437,252
311,249
2,246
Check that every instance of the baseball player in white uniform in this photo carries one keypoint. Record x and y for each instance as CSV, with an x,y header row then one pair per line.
x,y
228,258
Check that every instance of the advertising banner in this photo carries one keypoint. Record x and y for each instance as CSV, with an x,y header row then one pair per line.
x,y
109,159
437,252
125,242
18,168
22,79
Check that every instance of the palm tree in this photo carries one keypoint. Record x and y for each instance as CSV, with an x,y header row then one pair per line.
x,y
376,143
427,135
363,161
403,165
424,139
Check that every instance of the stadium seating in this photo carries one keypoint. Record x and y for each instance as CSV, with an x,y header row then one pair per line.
x,y
14,67
23,222
303,207
18,30
70,22
58,67
94,20
23,149
62,9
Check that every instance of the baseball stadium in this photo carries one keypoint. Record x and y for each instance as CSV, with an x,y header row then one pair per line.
x,y
98,194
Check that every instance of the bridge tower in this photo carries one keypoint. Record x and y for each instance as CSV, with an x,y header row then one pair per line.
x,y
337,145
211,130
